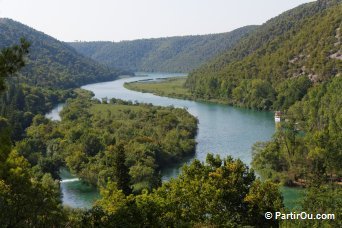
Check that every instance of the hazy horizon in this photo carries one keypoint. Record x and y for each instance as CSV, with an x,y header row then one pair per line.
x,y
132,19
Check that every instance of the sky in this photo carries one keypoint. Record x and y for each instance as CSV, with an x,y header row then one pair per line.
x,y
116,20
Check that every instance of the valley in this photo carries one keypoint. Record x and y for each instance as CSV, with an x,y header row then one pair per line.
x,y
238,130
85,142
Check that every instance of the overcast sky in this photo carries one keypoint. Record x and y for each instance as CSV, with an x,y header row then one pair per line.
x,y
116,20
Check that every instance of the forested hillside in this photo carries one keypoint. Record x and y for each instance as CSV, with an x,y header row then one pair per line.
x,y
276,64
292,63
52,63
118,146
307,147
172,54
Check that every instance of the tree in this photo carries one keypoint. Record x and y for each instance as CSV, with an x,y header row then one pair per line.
x,y
121,171
91,144
11,60
25,200
5,140
324,199
114,209
263,197
221,193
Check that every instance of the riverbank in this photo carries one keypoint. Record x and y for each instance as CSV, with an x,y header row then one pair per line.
x,y
170,87
174,87
222,129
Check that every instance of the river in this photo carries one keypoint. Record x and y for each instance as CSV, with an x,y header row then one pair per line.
x,y
222,129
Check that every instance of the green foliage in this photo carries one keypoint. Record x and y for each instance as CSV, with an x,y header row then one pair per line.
x,y
325,199
91,144
290,63
116,159
274,66
171,87
20,103
254,93
263,197
308,145
52,63
220,193
172,54
4,139
11,60
122,213
26,201
290,91
120,141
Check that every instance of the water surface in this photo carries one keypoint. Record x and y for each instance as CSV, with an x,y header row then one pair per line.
x,y
222,129
54,113
76,193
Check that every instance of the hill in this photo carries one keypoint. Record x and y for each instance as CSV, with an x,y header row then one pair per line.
x,y
52,63
275,65
172,54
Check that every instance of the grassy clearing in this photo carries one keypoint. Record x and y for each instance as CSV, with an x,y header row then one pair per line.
x,y
116,109
172,87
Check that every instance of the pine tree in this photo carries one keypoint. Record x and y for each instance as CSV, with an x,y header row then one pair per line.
x,y
121,171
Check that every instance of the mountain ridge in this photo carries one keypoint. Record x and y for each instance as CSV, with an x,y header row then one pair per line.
x,y
52,63
293,51
168,54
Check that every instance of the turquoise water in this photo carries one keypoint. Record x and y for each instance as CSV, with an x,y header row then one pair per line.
x,y
222,129
76,193
292,197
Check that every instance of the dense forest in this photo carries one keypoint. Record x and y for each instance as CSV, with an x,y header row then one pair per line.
x,y
127,173
307,146
52,63
52,69
306,149
276,64
20,103
172,54
90,134
291,63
